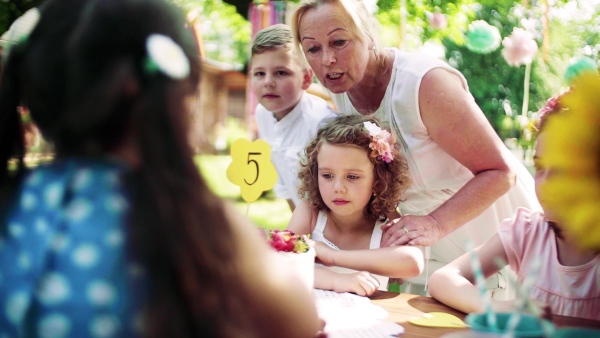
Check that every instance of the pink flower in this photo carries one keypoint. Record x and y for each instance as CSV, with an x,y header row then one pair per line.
x,y
382,144
286,241
438,21
519,48
381,147
551,105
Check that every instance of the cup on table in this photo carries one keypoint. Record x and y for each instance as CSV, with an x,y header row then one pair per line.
x,y
528,325
303,264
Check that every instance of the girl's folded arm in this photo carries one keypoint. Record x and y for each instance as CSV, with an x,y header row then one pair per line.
x,y
361,282
393,262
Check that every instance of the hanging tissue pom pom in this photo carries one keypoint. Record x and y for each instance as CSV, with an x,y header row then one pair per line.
x,y
482,37
578,66
438,21
519,48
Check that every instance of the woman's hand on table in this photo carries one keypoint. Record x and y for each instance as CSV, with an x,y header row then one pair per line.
x,y
412,230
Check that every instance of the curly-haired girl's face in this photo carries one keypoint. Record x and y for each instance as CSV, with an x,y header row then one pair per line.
x,y
345,179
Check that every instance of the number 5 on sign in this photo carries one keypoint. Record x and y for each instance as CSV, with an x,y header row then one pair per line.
x,y
251,168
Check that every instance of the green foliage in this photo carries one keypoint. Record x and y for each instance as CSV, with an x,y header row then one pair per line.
x,y
225,136
497,87
225,33
267,212
417,28
213,168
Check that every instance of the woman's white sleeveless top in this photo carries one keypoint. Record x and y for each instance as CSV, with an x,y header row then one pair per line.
x,y
436,175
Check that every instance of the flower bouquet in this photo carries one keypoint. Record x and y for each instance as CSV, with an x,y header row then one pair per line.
x,y
296,252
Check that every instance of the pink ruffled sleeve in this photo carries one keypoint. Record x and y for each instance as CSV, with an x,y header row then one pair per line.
x,y
518,234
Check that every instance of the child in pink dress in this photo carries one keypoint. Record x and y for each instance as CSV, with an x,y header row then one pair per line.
x,y
568,279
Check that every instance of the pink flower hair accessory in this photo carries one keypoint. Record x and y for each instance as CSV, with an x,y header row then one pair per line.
x,y
551,105
382,144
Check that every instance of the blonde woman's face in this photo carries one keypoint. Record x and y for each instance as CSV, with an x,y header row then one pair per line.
x,y
345,179
337,55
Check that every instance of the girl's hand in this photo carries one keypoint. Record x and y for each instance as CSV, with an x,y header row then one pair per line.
x,y
362,283
545,309
321,333
412,230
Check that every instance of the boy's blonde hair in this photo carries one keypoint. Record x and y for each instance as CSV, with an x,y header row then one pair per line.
x,y
276,36
390,179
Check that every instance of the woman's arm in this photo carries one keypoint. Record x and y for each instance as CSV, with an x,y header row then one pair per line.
x,y
454,284
393,262
459,127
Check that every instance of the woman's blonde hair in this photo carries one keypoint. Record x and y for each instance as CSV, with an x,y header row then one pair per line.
x,y
390,179
363,24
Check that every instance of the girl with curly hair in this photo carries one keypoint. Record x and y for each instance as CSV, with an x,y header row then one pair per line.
x,y
352,177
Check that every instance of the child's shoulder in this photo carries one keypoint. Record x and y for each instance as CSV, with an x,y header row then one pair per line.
x,y
315,107
525,217
525,223
304,218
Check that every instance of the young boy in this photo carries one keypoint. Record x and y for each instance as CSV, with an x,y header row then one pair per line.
x,y
287,117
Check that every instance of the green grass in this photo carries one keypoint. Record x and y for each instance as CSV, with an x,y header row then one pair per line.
x,y
267,212
213,168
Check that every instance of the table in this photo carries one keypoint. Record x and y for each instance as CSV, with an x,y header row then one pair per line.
x,y
402,307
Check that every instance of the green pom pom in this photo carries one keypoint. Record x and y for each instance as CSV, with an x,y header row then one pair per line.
x,y
482,37
578,66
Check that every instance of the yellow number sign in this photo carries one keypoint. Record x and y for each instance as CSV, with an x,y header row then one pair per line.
x,y
251,168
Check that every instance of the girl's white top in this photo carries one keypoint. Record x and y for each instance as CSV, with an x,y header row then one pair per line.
x,y
317,235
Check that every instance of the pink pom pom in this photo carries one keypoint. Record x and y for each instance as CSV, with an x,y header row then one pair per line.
x,y
438,21
519,48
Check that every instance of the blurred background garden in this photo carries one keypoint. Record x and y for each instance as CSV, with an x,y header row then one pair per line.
x,y
514,54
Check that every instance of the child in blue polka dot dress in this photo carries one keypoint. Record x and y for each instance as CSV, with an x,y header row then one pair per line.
x,y
118,235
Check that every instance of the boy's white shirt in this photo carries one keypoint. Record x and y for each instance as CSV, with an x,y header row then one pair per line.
x,y
289,136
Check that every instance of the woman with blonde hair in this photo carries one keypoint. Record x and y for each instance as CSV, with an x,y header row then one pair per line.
x,y
465,181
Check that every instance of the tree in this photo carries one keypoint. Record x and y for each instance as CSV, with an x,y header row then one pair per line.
x,y
241,6
496,86
225,33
